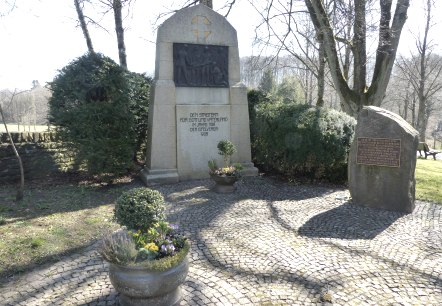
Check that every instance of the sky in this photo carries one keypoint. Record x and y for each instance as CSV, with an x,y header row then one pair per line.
x,y
40,37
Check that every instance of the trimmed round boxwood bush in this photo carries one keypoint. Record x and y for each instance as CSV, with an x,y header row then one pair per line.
x,y
303,141
139,208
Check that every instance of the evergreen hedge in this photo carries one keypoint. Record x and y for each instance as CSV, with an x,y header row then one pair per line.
x,y
97,107
299,140
139,92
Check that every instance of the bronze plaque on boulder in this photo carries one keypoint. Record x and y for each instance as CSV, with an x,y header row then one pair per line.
x,y
200,65
378,152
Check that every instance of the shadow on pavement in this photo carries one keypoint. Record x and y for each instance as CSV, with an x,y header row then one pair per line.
x,y
349,221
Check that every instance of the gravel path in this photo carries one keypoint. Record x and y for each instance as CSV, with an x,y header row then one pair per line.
x,y
272,244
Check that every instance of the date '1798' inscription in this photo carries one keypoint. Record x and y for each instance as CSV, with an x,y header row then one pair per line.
x,y
379,152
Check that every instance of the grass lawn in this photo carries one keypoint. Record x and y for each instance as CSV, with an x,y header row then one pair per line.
x,y
51,221
429,180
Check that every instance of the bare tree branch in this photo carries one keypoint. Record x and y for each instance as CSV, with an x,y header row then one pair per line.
x,y
10,6
20,191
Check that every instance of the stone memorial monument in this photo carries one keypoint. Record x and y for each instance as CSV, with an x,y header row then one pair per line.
x,y
197,98
382,161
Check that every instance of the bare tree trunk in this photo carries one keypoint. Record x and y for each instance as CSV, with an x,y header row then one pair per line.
x,y
84,26
413,112
422,119
359,49
20,191
307,74
117,7
346,66
406,105
305,85
352,100
389,34
321,74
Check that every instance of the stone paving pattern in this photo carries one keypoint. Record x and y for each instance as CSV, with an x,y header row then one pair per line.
x,y
271,243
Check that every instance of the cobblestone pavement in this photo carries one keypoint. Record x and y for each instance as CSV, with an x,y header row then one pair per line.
x,y
272,244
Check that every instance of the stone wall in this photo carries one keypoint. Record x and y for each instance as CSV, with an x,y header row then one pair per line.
x,y
42,155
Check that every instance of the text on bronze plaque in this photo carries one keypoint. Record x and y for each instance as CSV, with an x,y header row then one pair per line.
x,y
378,152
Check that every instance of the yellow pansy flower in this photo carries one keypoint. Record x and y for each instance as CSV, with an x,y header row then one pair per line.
x,y
151,247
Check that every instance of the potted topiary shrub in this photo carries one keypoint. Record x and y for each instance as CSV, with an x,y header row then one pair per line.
x,y
147,256
225,177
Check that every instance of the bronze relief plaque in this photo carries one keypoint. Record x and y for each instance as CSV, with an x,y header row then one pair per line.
x,y
378,152
197,65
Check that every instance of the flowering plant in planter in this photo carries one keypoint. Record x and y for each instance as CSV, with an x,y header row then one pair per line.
x,y
147,256
233,170
158,248
225,177
226,149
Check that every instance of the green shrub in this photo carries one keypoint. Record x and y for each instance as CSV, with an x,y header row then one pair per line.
x,y
90,107
256,99
139,91
299,140
226,149
139,208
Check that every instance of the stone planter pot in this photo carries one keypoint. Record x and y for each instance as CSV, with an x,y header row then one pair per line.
x,y
224,184
138,286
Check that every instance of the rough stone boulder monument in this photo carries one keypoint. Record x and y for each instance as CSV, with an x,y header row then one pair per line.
x,y
197,98
382,161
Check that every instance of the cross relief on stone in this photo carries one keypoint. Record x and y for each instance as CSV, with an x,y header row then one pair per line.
x,y
201,28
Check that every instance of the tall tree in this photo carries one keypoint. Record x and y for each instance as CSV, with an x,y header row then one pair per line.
x,y
361,93
267,83
289,90
116,6
424,70
83,24
429,76
321,74
401,97
289,29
